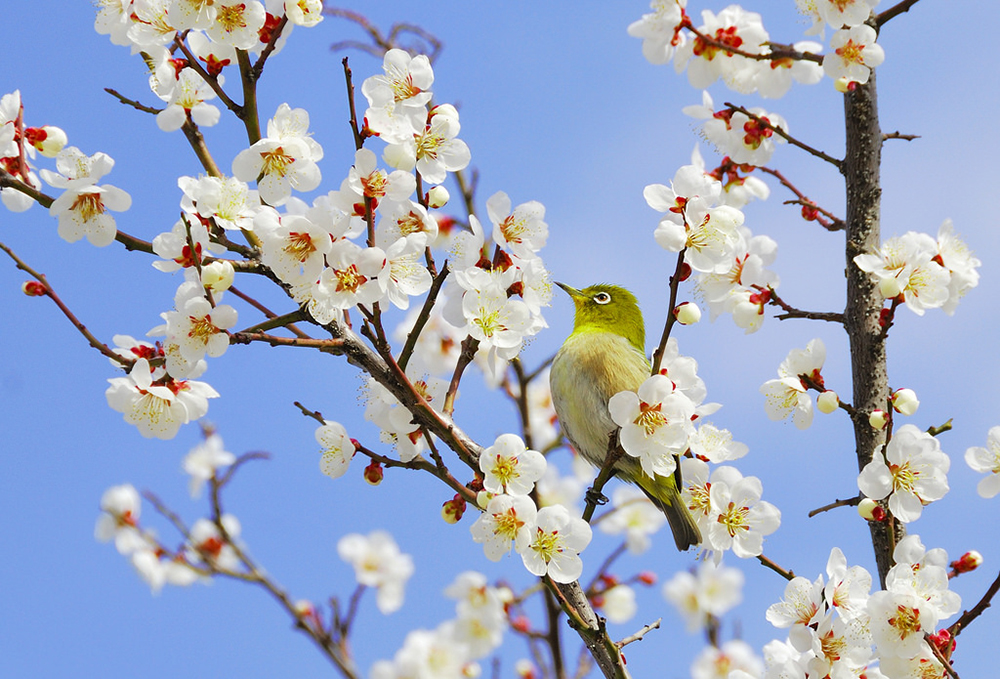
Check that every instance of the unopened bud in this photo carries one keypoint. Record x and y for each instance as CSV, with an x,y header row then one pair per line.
x,y
685,272
968,562
525,669
437,197
866,508
33,289
842,85
483,498
687,313
521,624
889,287
453,510
943,641
445,110
904,401
827,402
878,419
48,139
218,275
374,473
647,577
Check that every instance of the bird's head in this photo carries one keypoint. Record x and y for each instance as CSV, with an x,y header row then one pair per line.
x,y
608,308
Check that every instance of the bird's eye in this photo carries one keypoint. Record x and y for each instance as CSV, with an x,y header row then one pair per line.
x,y
602,298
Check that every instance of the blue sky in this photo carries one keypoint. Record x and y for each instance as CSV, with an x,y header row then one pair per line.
x,y
557,105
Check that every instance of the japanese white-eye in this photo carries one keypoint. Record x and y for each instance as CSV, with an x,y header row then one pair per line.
x,y
605,354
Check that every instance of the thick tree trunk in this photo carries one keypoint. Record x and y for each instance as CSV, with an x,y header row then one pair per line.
x,y
864,301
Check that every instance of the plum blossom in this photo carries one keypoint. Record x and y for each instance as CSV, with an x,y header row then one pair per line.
x,y
986,460
204,460
507,521
509,467
159,408
788,395
306,13
742,518
735,659
337,448
83,207
520,231
555,542
956,257
354,275
774,82
913,473
705,62
285,159
655,422
906,266
853,54
228,201
635,516
709,591
208,544
186,98
378,563
434,150
659,30
840,13
237,23
121,507
292,245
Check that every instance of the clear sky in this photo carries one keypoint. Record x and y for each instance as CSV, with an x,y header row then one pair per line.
x,y
557,105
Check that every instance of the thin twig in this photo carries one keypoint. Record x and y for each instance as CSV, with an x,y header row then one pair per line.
x,y
784,135
470,345
849,502
640,634
675,281
893,12
971,614
945,663
422,318
786,574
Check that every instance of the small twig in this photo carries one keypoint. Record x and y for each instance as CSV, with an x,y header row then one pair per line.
x,y
258,66
470,345
210,80
941,428
240,461
277,321
899,135
786,574
945,663
132,102
791,312
825,218
849,502
675,281
594,495
422,318
971,614
359,141
640,634
784,135
893,12
51,294
264,310
329,346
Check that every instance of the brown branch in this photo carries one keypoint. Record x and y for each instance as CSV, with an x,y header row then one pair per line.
x,y
422,318
267,312
329,346
77,323
945,663
971,614
892,12
849,502
132,102
786,574
900,135
792,312
675,281
784,135
826,219
640,634
209,79
594,495
470,346
272,43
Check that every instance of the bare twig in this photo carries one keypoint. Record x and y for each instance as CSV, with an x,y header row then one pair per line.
x,y
786,574
849,502
784,135
971,614
640,634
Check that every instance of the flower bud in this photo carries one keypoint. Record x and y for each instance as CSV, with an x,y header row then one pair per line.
x,y
437,197
444,110
33,289
878,419
828,401
453,509
969,561
687,313
483,498
889,287
373,473
904,401
842,85
866,508
49,139
521,624
218,275
524,669
647,577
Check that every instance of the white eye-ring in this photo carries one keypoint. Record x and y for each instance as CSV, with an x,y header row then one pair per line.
x,y
602,298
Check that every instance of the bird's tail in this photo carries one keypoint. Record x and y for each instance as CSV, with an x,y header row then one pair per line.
x,y
662,490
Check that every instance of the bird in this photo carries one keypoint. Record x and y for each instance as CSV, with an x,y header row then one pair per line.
x,y
605,354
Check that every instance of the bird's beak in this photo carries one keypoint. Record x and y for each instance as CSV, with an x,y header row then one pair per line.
x,y
572,292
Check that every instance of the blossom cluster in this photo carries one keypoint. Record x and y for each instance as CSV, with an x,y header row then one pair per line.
x,y
549,539
662,420
734,46
838,628
209,547
924,272
700,220
452,649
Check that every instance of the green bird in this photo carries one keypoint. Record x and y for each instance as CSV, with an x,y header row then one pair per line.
x,y
605,354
